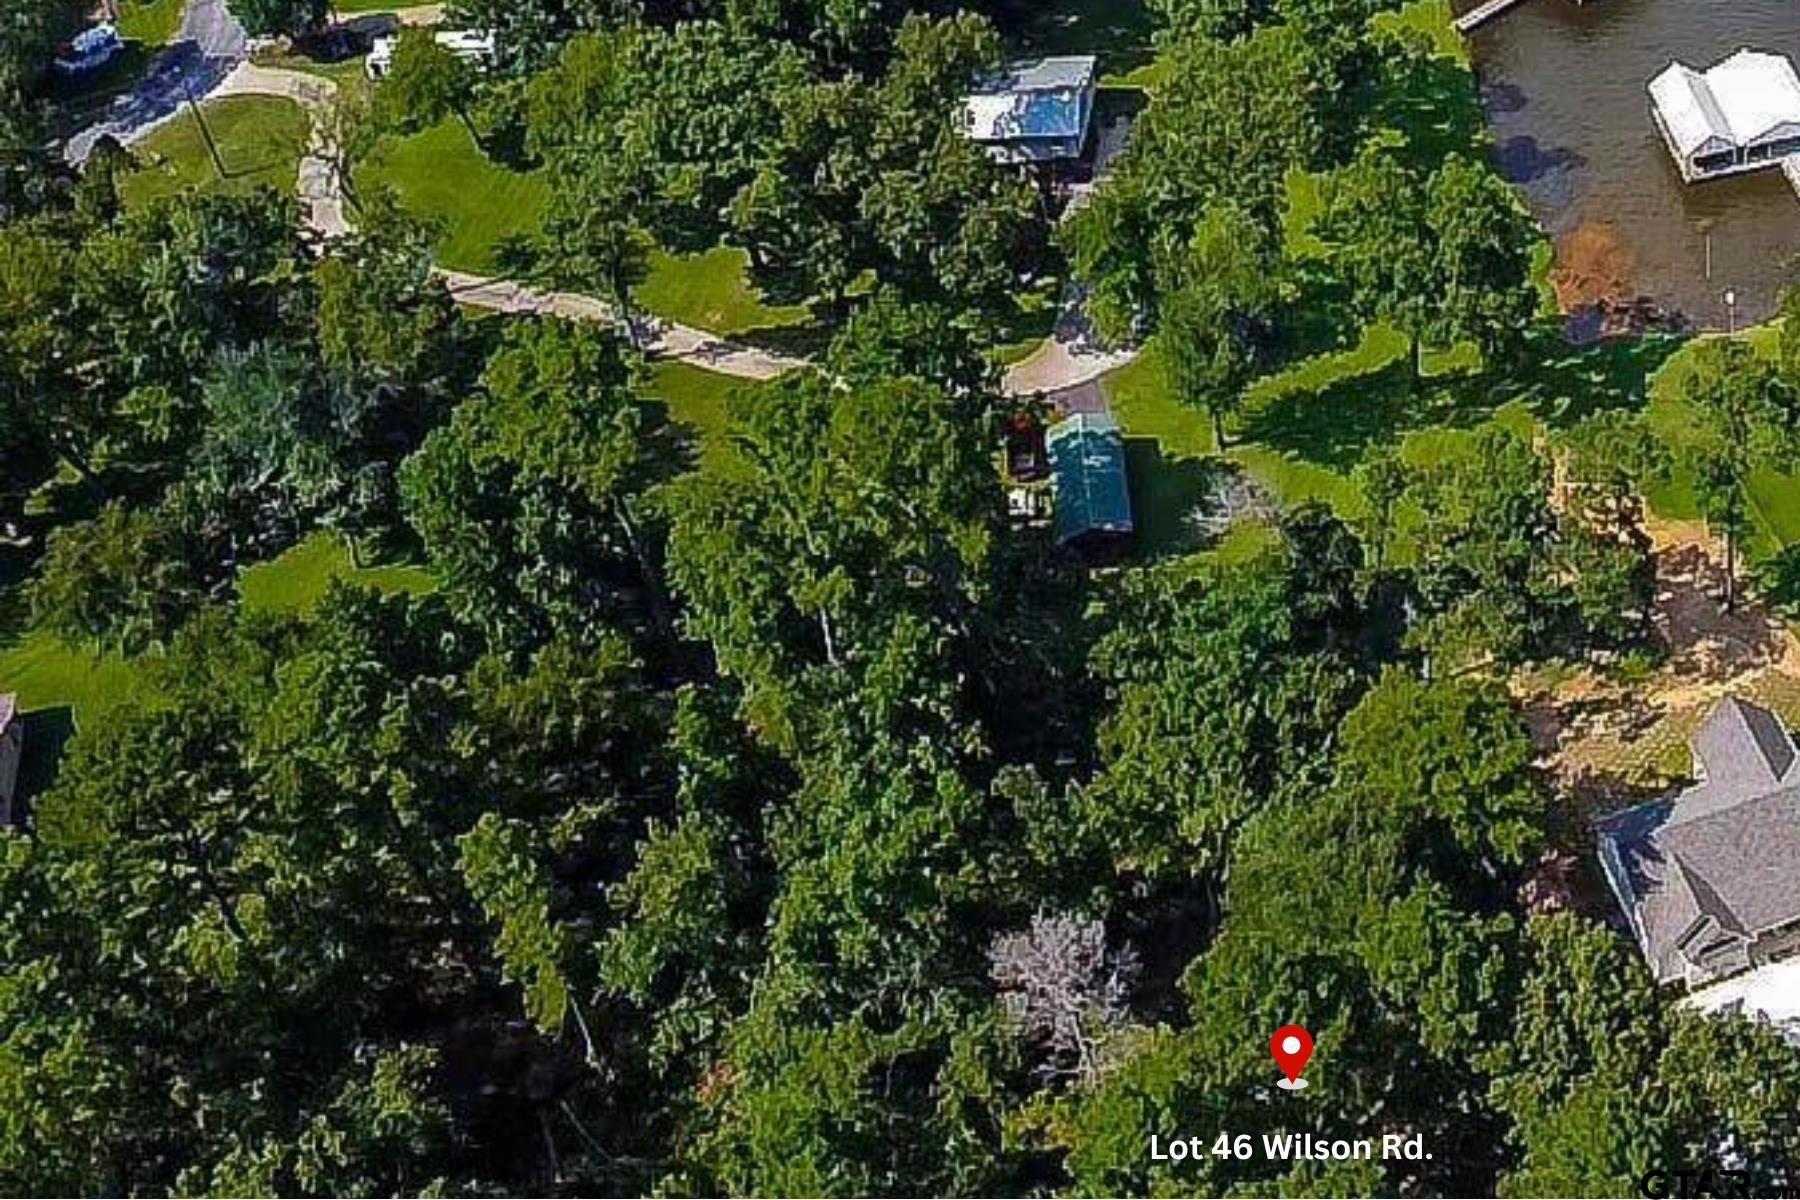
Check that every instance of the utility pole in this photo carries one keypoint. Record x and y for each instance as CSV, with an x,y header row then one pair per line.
x,y
206,136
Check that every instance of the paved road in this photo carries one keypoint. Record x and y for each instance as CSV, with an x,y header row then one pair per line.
x,y
207,47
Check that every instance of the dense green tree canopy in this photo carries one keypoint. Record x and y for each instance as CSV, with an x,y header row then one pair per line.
x,y
733,790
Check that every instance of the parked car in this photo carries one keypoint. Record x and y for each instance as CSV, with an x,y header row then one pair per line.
x,y
89,50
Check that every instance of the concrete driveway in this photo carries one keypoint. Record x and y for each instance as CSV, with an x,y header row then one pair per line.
x,y
209,44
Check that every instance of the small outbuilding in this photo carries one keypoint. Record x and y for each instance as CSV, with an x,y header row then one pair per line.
x,y
12,749
1740,115
1036,111
1087,472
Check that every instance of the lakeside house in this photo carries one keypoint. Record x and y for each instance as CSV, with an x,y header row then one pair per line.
x,y
1709,880
1087,472
12,749
1036,111
476,48
1742,114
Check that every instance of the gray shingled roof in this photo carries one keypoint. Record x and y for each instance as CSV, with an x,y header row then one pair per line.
x,y
1722,859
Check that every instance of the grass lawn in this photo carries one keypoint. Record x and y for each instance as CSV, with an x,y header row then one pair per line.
x,y
47,672
1119,31
711,291
152,22
60,687
696,403
441,175
260,139
297,581
1302,431
1774,495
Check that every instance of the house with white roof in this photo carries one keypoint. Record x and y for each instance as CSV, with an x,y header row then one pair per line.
x,y
1741,115
1036,111
470,46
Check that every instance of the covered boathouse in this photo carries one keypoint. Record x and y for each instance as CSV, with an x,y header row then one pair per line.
x,y
1742,114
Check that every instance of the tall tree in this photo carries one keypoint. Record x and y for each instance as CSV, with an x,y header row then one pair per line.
x,y
849,531
1501,575
1382,246
425,84
1746,417
530,500
1483,239
278,18
1217,316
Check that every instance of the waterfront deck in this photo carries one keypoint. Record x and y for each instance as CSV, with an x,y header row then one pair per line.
x,y
1480,15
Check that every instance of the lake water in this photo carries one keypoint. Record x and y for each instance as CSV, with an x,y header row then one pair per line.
x,y
1564,86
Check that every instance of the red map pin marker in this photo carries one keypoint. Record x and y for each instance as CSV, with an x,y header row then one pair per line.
x,y
1291,1046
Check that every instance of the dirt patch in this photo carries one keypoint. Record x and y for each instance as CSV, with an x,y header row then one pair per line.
x,y
1593,267
1610,743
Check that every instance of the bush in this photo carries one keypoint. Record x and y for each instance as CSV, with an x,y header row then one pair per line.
x,y
119,581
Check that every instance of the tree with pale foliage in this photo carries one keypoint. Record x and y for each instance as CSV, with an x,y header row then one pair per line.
x,y
1063,989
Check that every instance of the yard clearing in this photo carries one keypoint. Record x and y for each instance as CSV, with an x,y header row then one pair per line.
x,y
441,175
295,582
47,672
152,22
1611,742
260,140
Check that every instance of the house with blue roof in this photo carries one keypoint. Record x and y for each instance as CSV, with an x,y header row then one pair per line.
x,y
1087,473
1036,111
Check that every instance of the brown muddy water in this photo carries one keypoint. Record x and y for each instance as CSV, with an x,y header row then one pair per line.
x,y
1564,88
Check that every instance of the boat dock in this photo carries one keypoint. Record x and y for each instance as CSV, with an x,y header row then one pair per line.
x,y
1480,15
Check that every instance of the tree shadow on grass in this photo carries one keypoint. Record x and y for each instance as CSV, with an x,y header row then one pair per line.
x,y
1164,491
807,339
1334,426
241,171
1559,383
47,733
1563,384
674,446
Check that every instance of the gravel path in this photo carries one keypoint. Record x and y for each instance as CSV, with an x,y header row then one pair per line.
x,y
1064,361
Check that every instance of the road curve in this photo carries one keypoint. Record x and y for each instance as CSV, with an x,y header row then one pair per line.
x,y
1065,360
207,47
